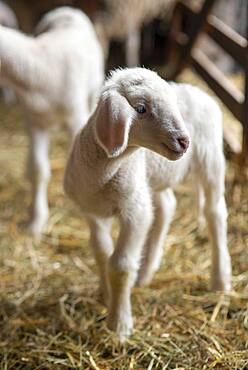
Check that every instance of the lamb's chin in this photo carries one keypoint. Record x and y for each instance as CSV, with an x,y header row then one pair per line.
x,y
168,153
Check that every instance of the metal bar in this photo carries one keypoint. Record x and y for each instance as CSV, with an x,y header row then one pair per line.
x,y
228,39
223,88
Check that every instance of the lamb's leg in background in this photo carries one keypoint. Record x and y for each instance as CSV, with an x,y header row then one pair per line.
x,y
200,205
39,175
94,91
123,267
78,120
164,209
102,245
132,48
216,216
74,129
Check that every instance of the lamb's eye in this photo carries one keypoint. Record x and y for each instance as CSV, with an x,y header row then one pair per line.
x,y
140,109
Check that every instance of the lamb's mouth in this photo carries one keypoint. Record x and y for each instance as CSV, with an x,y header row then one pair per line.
x,y
174,151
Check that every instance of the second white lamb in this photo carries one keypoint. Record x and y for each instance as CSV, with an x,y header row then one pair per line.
x,y
56,77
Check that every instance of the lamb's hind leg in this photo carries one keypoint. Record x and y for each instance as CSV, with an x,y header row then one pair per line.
x,y
102,245
200,205
39,175
164,209
216,216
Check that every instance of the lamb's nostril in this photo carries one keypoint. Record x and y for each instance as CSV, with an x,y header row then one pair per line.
x,y
184,142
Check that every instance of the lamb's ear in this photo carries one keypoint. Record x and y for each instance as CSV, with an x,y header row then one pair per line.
x,y
113,120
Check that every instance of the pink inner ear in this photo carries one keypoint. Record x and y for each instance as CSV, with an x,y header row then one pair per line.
x,y
111,123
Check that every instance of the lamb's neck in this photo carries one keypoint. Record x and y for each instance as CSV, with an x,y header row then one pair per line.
x,y
95,158
16,56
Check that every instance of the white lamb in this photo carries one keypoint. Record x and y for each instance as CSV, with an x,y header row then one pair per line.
x,y
55,76
123,164
8,19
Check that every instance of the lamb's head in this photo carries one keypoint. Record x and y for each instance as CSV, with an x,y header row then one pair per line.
x,y
138,108
61,17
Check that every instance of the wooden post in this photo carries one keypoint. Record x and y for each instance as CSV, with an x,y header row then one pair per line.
x,y
245,106
198,24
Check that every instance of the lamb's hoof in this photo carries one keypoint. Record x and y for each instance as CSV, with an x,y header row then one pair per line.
x,y
143,279
123,328
219,285
37,224
35,229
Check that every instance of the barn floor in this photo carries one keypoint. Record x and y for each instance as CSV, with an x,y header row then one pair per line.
x,y
51,317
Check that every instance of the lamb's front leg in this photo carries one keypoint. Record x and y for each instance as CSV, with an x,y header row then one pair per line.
x,y
123,266
39,175
102,245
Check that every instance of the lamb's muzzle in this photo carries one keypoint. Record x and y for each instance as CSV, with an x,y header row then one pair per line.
x,y
183,142
174,137
180,144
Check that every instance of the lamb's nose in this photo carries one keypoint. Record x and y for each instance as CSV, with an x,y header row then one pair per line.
x,y
183,142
